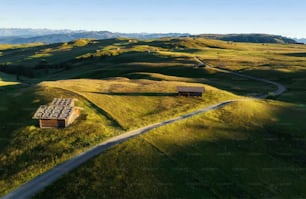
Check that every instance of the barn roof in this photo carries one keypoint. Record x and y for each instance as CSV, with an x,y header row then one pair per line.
x,y
190,89
60,108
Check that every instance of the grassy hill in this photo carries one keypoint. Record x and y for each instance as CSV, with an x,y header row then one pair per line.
x,y
245,150
27,150
241,150
252,38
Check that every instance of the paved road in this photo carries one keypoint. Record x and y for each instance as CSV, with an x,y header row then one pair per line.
x,y
32,187
35,185
280,88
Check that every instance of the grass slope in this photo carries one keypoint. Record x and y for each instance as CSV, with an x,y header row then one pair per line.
x,y
85,58
96,73
26,150
109,108
136,103
246,150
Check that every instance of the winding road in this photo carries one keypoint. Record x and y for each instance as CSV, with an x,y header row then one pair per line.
x,y
280,88
35,185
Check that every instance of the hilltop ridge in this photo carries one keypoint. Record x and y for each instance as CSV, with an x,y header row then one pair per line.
x,y
251,38
23,36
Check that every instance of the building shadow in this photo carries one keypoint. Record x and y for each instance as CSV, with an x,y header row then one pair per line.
x,y
149,94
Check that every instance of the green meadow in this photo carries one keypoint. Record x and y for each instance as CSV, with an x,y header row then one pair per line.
x,y
248,149
244,150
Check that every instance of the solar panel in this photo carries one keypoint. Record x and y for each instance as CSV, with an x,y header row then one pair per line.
x,y
63,101
60,108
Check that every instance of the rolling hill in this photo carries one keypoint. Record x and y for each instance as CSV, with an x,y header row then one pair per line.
x,y
251,38
247,149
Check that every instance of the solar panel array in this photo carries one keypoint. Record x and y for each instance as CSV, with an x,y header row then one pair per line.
x,y
62,102
59,109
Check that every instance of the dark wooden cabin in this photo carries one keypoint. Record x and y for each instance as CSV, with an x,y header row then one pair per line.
x,y
190,91
59,114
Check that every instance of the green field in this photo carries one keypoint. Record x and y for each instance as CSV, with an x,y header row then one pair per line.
x,y
247,149
27,151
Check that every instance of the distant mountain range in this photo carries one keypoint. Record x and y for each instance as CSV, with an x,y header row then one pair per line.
x,y
29,32
301,40
21,36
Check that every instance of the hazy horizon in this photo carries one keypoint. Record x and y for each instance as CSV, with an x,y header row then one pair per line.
x,y
278,17
80,30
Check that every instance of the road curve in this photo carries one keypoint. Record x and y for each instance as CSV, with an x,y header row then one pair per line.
x,y
35,185
280,88
32,187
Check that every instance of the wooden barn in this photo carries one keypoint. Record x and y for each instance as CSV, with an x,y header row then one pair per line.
x,y
190,91
59,114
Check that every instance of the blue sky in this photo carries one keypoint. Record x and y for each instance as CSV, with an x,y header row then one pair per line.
x,y
285,17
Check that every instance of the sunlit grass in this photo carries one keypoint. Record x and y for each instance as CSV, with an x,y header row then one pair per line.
x,y
5,83
109,106
40,55
135,103
236,151
19,46
6,80
241,149
27,151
